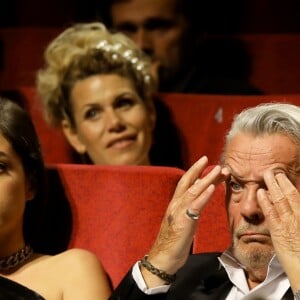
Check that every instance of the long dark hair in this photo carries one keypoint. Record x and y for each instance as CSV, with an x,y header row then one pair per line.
x,y
17,128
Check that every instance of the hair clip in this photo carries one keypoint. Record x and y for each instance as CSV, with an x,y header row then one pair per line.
x,y
127,54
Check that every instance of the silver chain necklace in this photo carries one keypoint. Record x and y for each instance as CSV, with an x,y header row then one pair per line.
x,y
12,261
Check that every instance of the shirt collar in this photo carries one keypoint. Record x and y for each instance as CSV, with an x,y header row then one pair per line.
x,y
235,270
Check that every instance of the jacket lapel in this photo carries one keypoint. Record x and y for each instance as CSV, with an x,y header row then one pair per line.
x,y
215,287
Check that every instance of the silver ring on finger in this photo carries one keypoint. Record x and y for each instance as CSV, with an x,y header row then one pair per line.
x,y
191,215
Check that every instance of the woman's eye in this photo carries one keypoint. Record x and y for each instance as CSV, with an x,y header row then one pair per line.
x,y
125,103
3,167
91,113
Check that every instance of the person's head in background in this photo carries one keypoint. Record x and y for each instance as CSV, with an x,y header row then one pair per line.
x,y
167,30
98,87
21,150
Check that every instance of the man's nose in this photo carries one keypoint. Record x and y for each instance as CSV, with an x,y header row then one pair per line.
x,y
249,207
143,39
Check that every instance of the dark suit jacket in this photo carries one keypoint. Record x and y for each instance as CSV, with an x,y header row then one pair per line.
x,y
211,283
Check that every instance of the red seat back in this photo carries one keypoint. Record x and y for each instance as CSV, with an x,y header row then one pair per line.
x,y
54,145
275,57
117,211
203,120
213,231
275,62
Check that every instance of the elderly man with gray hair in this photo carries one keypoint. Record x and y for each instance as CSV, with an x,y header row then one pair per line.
x,y
261,170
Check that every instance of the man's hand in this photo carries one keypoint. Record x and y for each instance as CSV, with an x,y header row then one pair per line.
x,y
281,207
173,243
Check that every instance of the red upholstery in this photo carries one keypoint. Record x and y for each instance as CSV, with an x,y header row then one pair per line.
x,y
212,233
275,57
54,145
275,61
22,54
117,211
203,120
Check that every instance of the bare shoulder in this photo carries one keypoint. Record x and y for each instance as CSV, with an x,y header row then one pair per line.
x,y
80,268
70,264
75,254
77,258
73,274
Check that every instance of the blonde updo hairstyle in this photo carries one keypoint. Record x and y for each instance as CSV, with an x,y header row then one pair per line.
x,y
84,50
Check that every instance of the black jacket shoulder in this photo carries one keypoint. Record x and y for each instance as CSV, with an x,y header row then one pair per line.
x,y
200,278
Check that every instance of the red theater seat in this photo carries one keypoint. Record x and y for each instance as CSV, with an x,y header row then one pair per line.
x,y
275,62
203,120
117,210
212,233
22,50
275,66
54,145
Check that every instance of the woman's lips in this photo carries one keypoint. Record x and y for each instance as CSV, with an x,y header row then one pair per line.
x,y
122,142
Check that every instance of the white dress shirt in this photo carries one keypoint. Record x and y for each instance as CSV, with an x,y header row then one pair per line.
x,y
273,287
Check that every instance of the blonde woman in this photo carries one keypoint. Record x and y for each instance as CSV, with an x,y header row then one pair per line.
x,y
98,87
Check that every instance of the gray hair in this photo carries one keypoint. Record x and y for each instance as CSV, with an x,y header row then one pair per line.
x,y
267,118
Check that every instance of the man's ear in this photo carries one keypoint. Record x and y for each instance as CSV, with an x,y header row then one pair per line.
x,y
72,137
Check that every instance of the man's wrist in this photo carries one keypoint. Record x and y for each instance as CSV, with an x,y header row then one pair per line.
x,y
168,278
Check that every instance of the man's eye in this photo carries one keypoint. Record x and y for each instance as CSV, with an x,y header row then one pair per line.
x,y
235,186
127,28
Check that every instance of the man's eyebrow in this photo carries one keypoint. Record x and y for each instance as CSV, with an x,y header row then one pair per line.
x,y
3,154
298,169
277,170
125,24
232,172
160,20
238,178
291,174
